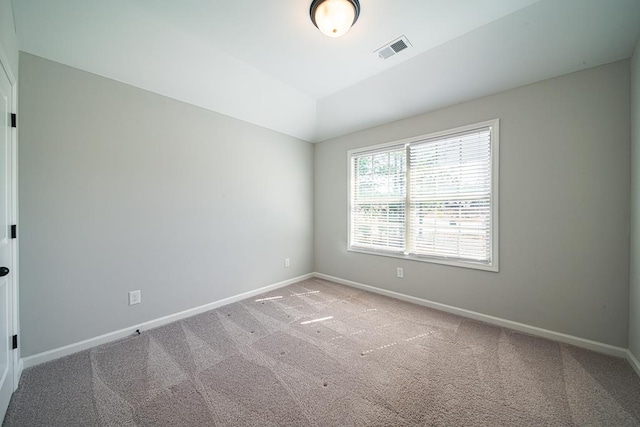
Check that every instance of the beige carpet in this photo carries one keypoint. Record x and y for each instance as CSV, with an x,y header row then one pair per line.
x,y
372,361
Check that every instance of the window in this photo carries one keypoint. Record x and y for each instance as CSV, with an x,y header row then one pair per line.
x,y
431,198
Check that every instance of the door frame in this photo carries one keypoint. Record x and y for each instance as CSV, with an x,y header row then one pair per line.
x,y
13,219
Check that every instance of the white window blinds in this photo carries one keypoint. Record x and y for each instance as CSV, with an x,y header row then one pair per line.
x,y
450,197
378,200
432,198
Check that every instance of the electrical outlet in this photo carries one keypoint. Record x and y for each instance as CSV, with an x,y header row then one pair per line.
x,y
287,262
400,272
135,297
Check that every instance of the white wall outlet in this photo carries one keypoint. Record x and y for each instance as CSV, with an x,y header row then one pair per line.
x,y
400,272
287,262
135,297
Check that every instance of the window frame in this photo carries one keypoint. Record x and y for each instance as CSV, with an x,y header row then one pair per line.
x,y
494,125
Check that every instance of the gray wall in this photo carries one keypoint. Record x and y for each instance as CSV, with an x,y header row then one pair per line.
x,y
634,294
123,189
564,208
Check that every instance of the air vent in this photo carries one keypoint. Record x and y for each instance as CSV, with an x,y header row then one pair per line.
x,y
393,47
398,46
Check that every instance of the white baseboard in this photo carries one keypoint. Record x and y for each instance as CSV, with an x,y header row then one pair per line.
x,y
18,374
633,362
36,359
509,324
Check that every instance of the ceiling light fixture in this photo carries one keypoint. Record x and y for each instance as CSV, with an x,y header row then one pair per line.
x,y
334,17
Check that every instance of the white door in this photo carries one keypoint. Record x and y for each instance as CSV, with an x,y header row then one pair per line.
x,y
6,277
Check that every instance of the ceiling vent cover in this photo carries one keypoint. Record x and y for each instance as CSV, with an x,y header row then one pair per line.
x,y
393,47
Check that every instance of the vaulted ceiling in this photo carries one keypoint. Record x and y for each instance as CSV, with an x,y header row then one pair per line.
x,y
264,62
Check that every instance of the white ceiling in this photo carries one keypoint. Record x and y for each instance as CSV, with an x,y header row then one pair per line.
x,y
264,62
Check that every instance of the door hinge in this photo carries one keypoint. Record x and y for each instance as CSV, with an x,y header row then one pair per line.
x,y
14,120
14,231
14,342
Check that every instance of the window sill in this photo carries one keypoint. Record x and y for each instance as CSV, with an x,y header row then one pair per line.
x,y
453,263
